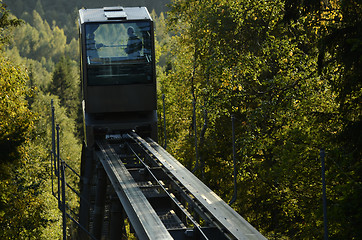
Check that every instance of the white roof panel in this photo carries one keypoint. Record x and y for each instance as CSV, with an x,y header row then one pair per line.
x,y
113,14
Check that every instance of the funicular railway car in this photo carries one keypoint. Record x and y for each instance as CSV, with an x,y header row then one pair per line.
x,y
118,71
119,92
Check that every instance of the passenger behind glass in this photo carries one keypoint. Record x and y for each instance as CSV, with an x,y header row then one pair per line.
x,y
134,44
92,48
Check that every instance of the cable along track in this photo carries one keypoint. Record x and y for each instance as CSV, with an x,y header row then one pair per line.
x,y
162,199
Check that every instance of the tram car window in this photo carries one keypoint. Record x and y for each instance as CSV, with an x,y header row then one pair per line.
x,y
119,53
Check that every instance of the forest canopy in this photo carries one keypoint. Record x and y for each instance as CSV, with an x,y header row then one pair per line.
x,y
64,13
289,73
27,208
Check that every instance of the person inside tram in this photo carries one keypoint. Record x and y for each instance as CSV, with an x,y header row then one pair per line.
x,y
134,44
92,48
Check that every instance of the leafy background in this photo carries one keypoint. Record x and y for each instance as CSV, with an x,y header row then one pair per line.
x,y
288,72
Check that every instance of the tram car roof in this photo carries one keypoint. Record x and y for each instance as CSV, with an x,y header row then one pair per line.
x,y
107,14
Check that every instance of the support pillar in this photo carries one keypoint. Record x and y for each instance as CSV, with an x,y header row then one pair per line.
x,y
87,163
117,219
101,191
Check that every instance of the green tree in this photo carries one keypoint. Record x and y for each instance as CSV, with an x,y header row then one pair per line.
x,y
338,23
64,13
20,209
39,41
66,85
242,58
28,188
16,118
27,208
6,24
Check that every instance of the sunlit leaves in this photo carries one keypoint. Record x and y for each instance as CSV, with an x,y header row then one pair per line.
x,y
243,58
16,119
6,24
27,208
66,84
41,40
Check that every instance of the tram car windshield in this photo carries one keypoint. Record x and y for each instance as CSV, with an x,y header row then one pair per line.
x,y
119,53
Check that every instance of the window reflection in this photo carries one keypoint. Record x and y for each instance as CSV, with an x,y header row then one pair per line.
x,y
118,53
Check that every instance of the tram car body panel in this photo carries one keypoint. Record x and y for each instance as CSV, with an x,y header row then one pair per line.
x,y
127,98
118,70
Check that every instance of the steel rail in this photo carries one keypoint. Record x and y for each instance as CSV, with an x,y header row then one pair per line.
x,y
187,195
231,221
178,204
142,216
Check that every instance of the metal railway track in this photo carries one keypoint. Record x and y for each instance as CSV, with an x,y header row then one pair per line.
x,y
160,197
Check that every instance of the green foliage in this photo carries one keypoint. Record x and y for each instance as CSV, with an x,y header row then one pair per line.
x,y
252,60
70,149
16,118
29,187
6,24
27,208
64,13
289,72
40,41
39,47
66,85
39,76
28,211
338,23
